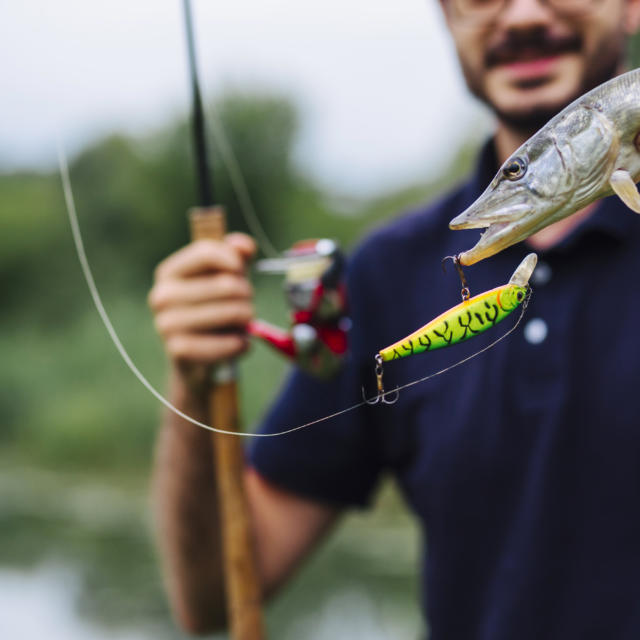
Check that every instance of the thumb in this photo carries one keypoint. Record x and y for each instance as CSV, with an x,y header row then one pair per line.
x,y
242,243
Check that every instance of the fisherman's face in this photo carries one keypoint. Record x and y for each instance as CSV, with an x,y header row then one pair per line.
x,y
527,59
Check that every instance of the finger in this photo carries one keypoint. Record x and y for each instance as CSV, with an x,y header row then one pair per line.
x,y
206,348
201,257
204,317
195,290
242,243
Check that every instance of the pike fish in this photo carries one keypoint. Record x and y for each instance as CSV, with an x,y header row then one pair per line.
x,y
589,150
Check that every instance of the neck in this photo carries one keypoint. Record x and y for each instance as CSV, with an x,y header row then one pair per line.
x,y
507,140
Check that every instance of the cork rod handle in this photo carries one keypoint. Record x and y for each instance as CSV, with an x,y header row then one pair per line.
x,y
242,586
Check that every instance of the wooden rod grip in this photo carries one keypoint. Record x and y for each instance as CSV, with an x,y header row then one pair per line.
x,y
242,584
244,600
207,223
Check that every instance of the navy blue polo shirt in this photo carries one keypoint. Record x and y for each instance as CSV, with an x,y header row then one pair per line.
x,y
522,465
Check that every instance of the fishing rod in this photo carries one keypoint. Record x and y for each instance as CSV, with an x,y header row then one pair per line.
x,y
208,220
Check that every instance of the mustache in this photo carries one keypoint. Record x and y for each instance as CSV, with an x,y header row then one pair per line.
x,y
519,46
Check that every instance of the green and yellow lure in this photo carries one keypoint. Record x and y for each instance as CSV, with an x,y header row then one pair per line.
x,y
467,319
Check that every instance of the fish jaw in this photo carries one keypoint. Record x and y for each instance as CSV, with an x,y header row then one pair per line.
x,y
497,204
497,237
509,216
481,214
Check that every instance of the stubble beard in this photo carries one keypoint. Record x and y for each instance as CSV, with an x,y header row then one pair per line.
x,y
599,68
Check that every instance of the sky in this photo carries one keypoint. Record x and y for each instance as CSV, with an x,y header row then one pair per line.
x,y
377,83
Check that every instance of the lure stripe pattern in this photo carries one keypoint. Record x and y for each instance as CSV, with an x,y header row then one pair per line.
x,y
465,320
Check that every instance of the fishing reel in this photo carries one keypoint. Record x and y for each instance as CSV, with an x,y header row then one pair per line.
x,y
316,295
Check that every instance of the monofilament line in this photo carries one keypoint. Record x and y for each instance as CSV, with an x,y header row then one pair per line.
x,y
88,276
231,164
97,301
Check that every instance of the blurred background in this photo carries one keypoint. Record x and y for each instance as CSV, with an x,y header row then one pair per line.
x,y
341,115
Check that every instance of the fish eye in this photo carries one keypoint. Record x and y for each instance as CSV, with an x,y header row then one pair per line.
x,y
516,168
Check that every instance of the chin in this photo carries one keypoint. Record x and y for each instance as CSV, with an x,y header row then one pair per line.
x,y
528,99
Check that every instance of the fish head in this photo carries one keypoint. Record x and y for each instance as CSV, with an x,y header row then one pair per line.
x,y
560,169
525,195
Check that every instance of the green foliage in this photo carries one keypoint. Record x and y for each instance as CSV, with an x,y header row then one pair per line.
x,y
77,429
66,397
261,131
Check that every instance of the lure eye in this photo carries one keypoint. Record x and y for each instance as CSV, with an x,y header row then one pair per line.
x,y
520,296
515,169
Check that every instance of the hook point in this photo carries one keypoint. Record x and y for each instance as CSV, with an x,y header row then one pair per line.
x,y
395,394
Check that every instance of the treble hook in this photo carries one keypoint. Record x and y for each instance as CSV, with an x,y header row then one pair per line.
x,y
384,397
465,292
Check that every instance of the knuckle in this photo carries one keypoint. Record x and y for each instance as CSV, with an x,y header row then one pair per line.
x,y
243,313
158,272
177,346
243,343
152,299
231,284
244,288
225,256
163,323
232,345
164,268
211,255
155,298
207,250
224,282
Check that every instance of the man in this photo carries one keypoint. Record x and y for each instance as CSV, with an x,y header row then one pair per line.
x,y
522,465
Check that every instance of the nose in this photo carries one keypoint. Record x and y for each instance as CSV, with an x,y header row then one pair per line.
x,y
525,14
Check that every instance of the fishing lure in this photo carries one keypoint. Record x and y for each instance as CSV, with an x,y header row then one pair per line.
x,y
473,316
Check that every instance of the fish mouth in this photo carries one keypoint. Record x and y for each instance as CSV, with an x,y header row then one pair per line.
x,y
498,236
506,217
476,217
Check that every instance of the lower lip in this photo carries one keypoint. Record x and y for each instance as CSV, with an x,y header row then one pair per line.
x,y
531,68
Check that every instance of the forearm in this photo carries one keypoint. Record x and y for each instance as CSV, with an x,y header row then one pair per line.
x,y
186,511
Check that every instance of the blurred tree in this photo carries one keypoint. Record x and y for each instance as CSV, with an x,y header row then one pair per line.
x,y
261,131
61,375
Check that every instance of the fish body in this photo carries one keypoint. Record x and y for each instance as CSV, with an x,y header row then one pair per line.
x,y
467,319
589,150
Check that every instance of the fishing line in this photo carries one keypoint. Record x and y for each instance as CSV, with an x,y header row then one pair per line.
x,y
229,160
239,184
95,295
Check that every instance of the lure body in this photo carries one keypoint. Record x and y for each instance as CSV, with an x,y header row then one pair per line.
x,y
465,320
